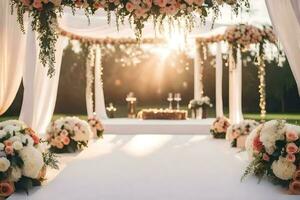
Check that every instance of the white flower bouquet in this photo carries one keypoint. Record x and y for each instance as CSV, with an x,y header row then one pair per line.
x,y
219,127
237,133
23,161
274,151
67,135
97,127
202,102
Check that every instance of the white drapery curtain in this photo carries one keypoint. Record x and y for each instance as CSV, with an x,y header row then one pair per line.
x,y
235,87
198,85
219,85
40,90
12,49
285,17
99,94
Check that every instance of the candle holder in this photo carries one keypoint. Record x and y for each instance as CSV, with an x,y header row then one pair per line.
x,y
111,110
131,100
170,100
177,98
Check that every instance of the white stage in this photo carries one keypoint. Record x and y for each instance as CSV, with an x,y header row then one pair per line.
x,y
139,126
155,167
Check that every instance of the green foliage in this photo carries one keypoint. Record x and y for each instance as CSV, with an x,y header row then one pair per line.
x,y
26,183
218,135
50,159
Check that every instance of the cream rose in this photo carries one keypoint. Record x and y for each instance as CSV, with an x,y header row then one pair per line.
x,y
33,161
4,164
283,169
17,145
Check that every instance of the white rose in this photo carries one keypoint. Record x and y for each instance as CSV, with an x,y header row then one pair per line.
x,y
283,169
4,164
15,174
270,134
15,138
33,161
27,139
17,145
2,134
2,146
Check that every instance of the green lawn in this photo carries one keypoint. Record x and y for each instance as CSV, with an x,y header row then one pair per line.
x,y
291,118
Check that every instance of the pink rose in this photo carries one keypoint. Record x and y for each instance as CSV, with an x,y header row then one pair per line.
x,y
257,144
9,150
37,4
66,140
291,157
129,7
266,157
199,2
161,3
291,136
291,148
6,188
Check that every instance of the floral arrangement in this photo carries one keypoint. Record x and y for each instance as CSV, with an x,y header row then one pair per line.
x,y
45,13
202,102
237,133
96,127
23,160
219,127
67,135
274,151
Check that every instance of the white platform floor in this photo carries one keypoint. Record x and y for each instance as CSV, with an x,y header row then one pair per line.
x,y
139,126
155,167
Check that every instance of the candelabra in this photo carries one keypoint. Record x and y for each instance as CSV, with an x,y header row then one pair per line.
x,y
177,98
170,100
111,110
131,99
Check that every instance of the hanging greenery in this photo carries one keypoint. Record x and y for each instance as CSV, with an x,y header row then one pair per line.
x,y
44,14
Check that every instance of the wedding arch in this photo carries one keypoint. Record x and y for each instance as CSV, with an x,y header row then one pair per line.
x,y
36,85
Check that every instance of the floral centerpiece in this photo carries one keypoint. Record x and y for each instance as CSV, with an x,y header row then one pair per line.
x,y
274,151
23,161
202,103
68,134
45,13
219,127
237,133
96,126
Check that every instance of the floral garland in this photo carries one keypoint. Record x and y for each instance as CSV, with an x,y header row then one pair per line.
x,y
45,13
67,135
274,150
241,36
23,160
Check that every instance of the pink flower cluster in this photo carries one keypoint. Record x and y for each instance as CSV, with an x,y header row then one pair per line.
x,y
60,140
220,125
243,35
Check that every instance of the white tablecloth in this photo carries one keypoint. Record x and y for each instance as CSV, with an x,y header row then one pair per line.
x,y
155,167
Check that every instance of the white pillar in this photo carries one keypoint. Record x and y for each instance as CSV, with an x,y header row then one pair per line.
x,y
99,94
198,68
219,75
235,87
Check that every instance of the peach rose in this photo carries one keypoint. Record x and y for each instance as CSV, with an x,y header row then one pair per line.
x,y
8,143
291,136
9,150
294,187
65,140
291,157
6,188
291,148
296,176
26,2
59,145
